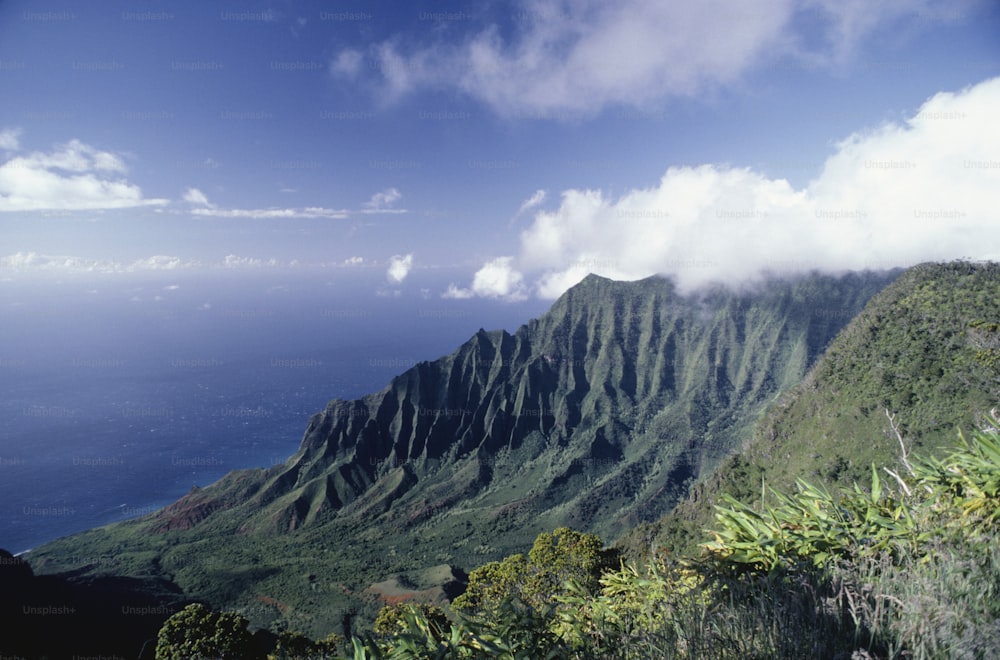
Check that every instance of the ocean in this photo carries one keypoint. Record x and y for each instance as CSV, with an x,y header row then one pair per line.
x,y
119,392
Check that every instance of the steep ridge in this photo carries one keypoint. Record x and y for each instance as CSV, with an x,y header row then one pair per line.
x,y
598,415
626,392
925,350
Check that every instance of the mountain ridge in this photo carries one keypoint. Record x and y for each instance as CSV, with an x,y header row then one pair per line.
x,y
499,391
598,415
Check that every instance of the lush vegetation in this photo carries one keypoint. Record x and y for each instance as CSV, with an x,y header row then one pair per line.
x,y
921,359
908,568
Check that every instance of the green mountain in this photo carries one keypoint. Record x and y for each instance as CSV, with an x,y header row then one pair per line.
x,y
599,415
926,350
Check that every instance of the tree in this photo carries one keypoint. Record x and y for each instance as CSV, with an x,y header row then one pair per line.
x,y
493,583
198,632
296,645
555,559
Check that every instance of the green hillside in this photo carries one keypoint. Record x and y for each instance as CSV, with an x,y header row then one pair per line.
x,y
926,350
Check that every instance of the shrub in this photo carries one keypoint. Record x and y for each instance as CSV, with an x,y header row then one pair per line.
x,y
198,632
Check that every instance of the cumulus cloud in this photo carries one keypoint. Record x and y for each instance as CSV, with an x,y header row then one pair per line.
x,y
578,57
72,177
924,189
399,268
498,278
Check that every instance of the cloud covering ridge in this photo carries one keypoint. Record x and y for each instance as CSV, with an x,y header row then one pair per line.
x,y
924,189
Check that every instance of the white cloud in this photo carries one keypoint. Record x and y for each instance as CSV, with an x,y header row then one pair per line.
x,y
499,279
34,262
73,177
233,261
399,268
273,213
74,156
457,293
346,63
10,139
354,261
382,202
160,262
197,197
532,201
925,189
844,24
578,57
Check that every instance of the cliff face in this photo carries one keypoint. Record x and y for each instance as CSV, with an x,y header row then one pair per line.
x,y
599,414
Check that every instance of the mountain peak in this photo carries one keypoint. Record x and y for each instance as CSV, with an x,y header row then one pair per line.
x,y
592,279
598,290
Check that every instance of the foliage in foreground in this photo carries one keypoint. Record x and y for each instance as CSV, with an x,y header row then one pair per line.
x,y
198,632
951,498
909,568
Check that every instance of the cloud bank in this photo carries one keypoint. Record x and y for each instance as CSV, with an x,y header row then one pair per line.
x,y
33,262
561,57
924,189
30,263
273,213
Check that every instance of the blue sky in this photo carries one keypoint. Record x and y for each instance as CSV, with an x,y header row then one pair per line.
x,y
498,149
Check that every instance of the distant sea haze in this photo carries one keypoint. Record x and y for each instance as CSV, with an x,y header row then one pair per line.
x,y
113,406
